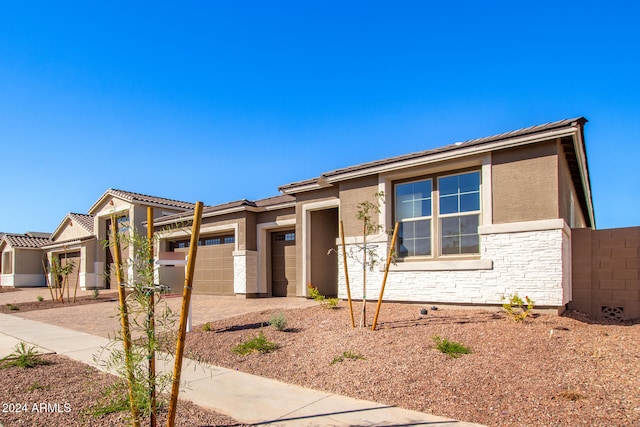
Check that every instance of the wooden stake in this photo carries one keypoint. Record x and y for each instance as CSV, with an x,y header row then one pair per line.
x,y
184,313
124,317
46,278
346,274
151,325
386,272
75,291
363,317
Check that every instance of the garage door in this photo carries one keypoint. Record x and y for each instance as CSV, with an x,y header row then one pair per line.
x,y
283,263
213,273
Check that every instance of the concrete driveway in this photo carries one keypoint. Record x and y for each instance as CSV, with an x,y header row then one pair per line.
x,y
101,318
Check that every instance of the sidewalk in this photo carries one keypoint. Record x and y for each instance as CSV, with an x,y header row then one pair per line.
x,y
247,398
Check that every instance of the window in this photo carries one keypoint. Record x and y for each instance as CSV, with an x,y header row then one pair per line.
x,y
205,241
452,229
413,212
460,213
285,237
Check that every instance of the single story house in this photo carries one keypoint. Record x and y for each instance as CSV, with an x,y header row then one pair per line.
x,y
478,221
21,259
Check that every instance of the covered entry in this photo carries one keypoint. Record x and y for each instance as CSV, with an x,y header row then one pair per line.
x,y
65,259
213,273
323,268
283,263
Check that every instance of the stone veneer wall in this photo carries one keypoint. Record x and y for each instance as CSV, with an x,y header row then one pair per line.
x,y
606,278
530,263
245,272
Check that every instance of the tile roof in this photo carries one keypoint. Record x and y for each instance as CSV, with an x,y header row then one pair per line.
x,y
144,199
452,147
84,220
38,234
258,205
24,241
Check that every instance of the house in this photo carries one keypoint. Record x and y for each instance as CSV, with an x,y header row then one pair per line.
x,y
21,259
478,221
81,239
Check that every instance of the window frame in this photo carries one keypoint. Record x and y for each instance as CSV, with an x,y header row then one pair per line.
x,y
436,217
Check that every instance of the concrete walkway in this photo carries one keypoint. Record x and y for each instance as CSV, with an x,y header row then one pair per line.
x,y
247,398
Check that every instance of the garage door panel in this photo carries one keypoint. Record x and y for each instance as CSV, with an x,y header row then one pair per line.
x,y
213,273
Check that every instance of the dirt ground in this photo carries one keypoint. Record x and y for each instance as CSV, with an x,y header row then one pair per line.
x,y
550,370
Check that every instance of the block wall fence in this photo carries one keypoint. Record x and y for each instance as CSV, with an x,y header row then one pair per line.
x,y
605,269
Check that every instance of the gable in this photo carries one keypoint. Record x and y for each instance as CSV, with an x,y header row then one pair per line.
x,y
71,229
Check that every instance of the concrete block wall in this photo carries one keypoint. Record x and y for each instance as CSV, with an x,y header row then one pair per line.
x,y
606,272
530,263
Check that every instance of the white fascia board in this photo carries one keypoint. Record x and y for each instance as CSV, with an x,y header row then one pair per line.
x,y
63,244
454,154
280,206
579,148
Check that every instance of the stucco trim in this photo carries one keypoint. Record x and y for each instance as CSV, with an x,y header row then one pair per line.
x,y
521,227
451,265
262,242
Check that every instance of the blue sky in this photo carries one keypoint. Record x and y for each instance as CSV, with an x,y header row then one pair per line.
x,y
218,101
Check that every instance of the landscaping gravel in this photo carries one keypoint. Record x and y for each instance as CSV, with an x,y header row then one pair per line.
x,y
549,370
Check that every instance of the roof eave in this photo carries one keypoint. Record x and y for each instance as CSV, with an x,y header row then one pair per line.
x,y
454,153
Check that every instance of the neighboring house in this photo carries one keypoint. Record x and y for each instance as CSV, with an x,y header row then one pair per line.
x,y
130,211
74,242
82,239
479,220
21,259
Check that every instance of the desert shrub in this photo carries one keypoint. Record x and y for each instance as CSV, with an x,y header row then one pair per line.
x,y
278,321
325,302
516,308
452,348
259,344
347,355
23,356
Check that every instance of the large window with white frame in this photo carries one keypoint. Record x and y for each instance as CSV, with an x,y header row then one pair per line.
x,y
438,216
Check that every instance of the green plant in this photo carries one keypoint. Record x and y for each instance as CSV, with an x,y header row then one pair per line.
x,y
96,293
23,356
347,355
145,314
331,302
517,309
115,399
278,321
207,327
259,344
13,307
39,298
452,348
36,386
325,302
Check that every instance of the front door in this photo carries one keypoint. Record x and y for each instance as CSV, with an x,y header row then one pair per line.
x,y
283,263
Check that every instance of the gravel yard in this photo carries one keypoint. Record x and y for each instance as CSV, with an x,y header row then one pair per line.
x,y
61,393
548,371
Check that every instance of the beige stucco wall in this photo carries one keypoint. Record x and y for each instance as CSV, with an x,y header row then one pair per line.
x,y
353,193
525,183
71,232
28,261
